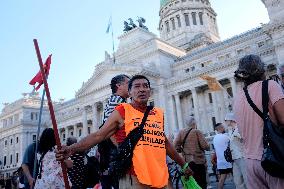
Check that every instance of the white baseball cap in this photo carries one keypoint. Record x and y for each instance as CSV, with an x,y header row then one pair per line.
x,y
230,117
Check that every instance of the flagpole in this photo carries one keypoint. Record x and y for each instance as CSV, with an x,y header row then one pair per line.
x,y
112,41
38,131
51,110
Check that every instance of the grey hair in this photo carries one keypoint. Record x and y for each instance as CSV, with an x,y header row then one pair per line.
x,y
189,121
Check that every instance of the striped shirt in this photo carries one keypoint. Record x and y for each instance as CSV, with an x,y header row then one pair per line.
x,y
113,101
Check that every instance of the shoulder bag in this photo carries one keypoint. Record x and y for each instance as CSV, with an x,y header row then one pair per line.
x,y
273,137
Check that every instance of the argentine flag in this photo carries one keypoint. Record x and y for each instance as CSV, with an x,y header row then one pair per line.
x,y
109,24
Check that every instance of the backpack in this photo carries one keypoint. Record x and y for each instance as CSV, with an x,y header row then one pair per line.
x,y
92,176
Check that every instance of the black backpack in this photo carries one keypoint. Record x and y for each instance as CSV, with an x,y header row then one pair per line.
x,y
92,176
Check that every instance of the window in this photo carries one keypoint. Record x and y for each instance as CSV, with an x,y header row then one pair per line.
x,y
173,23
11,159
193,14
213,122
186,70
80,132
17,140
6,142
200,17
34,138
36,116
210,98
202,65
5,159
178,19
89,130
11,141
192,68
17,157
230,91
168,26
63,136
32,116
192,104
71,133
186,19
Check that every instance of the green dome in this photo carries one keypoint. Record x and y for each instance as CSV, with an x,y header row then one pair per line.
x,y
164,2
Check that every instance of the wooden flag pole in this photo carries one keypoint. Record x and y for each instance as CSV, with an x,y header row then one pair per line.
x,y
51,110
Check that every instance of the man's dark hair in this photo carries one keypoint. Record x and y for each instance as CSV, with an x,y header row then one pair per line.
x,y
217,125
135,78
70,141
117,80
46,141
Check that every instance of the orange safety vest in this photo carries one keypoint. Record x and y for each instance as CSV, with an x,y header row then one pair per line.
x,y
149,155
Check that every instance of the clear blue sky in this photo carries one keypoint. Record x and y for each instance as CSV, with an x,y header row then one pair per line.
x,y
74,32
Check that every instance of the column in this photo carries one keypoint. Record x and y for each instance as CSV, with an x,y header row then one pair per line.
x,y
215,107
75,130
66,133
95,118
196,107
178,108
234,86
221,103
85,122
171,116
203,118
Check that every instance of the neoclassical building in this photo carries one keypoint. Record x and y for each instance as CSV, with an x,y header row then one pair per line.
x,y
18,129
189,46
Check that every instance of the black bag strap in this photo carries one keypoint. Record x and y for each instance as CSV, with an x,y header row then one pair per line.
x,y
144,119
183,142
265,98
254,107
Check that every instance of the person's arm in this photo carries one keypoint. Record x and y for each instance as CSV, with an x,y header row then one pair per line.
x,y
202,141
107,130
173,154
178,143
27,173
278,108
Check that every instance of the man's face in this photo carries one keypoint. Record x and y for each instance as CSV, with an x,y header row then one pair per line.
x,y
140,91
123,87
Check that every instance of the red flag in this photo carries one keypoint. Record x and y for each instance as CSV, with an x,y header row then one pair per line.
x,y
38,78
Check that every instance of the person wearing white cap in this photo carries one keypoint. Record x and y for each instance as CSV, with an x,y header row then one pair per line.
x,y
236,146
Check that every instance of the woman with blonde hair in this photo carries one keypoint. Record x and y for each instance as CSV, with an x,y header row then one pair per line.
x,y
192,144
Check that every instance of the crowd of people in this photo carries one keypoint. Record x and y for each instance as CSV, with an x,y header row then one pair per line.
x,y
237,146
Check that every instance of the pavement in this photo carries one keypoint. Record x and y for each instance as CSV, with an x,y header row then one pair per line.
x,y
229,183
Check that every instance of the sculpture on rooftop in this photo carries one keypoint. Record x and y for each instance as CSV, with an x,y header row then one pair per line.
x,y
131,25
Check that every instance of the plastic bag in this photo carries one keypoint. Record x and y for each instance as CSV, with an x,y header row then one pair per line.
x,y
190,183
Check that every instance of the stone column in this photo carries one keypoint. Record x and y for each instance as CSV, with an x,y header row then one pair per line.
x,y
215,106
66,133
95,118
234,86
221,105
171,115
178,108
75,131
196,107
85,122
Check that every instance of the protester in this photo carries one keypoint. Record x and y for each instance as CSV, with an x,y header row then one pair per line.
x,y
77,173
280,73
236,147
192,144
119,88
251,71
220,142
28,166
149,168
50,173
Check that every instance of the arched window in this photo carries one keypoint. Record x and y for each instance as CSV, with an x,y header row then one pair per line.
x,y
186,19
173,23
178,19
167,26
193,14
200,18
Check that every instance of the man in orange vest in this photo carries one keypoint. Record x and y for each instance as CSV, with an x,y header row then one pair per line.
x,y
149,169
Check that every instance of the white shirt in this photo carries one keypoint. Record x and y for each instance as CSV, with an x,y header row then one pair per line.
x,y
220,143
236,144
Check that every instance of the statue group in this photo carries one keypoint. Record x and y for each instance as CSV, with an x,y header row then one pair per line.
x,y
131,25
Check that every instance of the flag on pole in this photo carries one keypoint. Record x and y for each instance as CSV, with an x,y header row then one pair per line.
x,y
38,78
109,25
212,83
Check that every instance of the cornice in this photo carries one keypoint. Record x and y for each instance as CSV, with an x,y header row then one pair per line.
x,y
219,46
